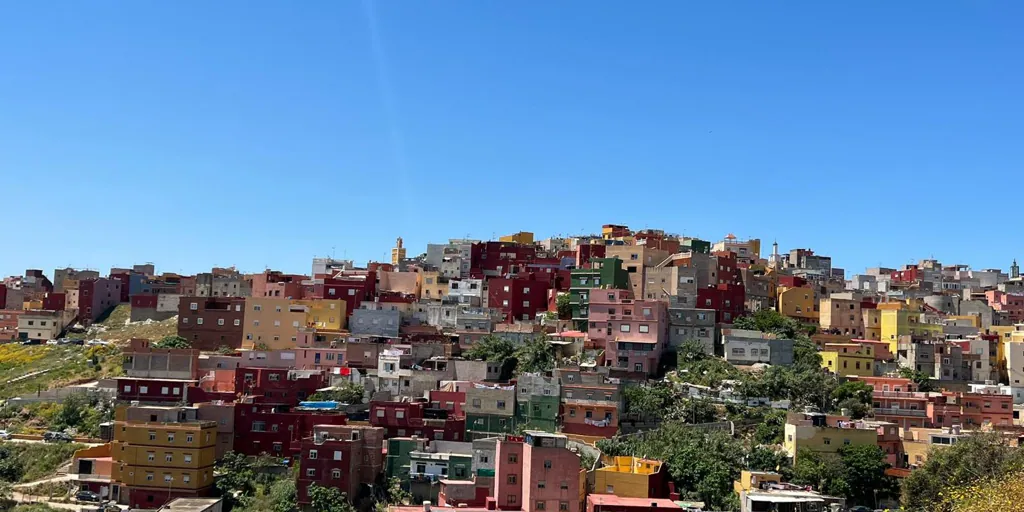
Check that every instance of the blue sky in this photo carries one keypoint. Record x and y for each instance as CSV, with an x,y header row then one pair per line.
x,y
262,133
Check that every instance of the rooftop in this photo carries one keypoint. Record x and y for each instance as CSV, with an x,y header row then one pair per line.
x,y
190,504
613,500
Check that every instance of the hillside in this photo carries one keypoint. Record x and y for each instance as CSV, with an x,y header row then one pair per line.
x,y
116,327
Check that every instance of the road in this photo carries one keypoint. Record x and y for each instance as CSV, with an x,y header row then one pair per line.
x,y
24,498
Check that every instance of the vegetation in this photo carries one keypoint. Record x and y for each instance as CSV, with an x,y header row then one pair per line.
x,y
922,380
350,393
535,355
771,428
854,396
962,469
564,308
857,473
117,327
30,368
172,341
255,483
769,320
34,507
25,462
997,494
328,499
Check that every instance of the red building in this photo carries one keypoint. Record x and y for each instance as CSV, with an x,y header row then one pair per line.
x,y
277,429
343,457
522,298
728,271
351,286
54,301
451,401
908,275
8,321
792,281
489,259
277,385
125,279
587,252
656,239
159,391
725,299
273,283
400,419
209,323
94,297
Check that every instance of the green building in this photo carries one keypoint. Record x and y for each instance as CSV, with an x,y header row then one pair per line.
x,y
603,273
537,402
420,466
490,410
695,245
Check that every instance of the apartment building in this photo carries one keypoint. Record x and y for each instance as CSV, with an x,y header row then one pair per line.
x,y
490,410
841,313
686,324
41,325
631,477
538,473
155,462
209,323
93,297
274,323
632,332
344,457
745,347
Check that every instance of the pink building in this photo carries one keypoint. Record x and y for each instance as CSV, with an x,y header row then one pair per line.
x,y
1012,304
632,332
537,473
879,348
273,283
897,400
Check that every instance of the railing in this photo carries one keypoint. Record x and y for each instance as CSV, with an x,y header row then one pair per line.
x,y
888,411
900,394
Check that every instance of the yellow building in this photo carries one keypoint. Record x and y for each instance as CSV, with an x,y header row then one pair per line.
x,y
153,461
32,304
397,252
802,436
872,324
432,286
848,359
628,477
522,237
752,480
904,322
275,322
797,303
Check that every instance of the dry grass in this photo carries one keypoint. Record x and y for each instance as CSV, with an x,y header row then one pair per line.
x,y
114,327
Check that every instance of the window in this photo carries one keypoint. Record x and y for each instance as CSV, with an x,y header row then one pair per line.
x,y
400,414
501,404
739,352
547,464
476,403
380,413
259,426
193,306
186,478
127,389
827,441
168,477
150,456
624,328
564,485
164,390
526,303
199,321
168,457
335,474
541,484
149,475
312,454
511,479
337,455
563,505
511,498
645,328
152,435
237,322
188,438
143,389
310,472
188,458
220,321
540,505
512,459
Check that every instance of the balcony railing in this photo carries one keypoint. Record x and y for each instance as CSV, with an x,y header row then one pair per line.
x,y
900,394
889,411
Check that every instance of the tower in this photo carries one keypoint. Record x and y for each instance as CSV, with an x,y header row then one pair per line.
x,y
773,262
1014,270
398,252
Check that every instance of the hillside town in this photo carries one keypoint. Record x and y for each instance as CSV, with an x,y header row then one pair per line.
x,y
621,371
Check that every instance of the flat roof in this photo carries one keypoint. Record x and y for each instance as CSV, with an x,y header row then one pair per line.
x,y
785,496
611,500
190,504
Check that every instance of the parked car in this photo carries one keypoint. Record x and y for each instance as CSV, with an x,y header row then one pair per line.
x,y
93,343
52,437
87,496
5,435
31,342
77,342
51,342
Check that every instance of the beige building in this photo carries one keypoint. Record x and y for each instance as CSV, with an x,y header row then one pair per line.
x,y
842,312
872,323
275,322
637,259
43,325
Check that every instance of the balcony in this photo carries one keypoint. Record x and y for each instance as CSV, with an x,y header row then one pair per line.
x,y
889,411
900,394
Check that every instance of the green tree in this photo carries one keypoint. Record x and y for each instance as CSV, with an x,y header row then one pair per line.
x,y
979,457
492,349
72,412
767,458
769,320
770,430
172,341
11,467
825,472
651,400
587,460
865,473
564,308
855,408
855,389
924,383
535,355
278,496
236,477
696,411
349,393
328,499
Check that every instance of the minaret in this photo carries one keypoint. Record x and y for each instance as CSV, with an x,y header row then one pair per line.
x,y
398,253
1014,270
774,261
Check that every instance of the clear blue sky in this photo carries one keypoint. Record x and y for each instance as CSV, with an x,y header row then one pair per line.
x,y
262,133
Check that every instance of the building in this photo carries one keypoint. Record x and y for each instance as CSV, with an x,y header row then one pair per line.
x,y
398,252
538,473
141,360
522,298
632,332
615,503
93,298
631,477
273,283
601,273
406,418
538,402
591,403
748,252
222,282
522,237
277,429
41,325
841,314
155,462
686,324
799,303
194,505
274,323
91,470
726,299
490,410
745,347
821,433
209,323
1011,304
152,306
344,457
65,279
376,322
848,359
